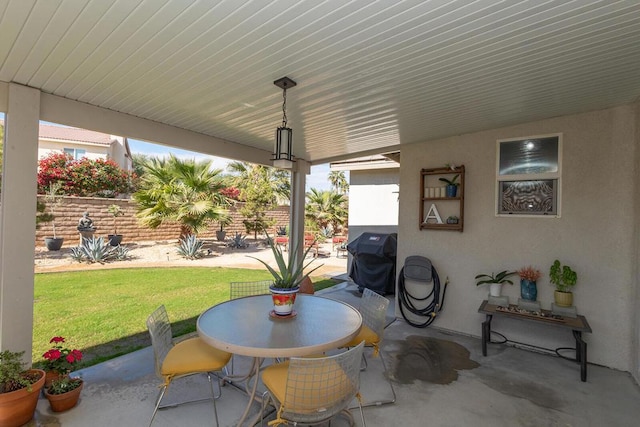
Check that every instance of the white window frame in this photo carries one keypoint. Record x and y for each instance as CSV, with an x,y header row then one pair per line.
x,y
75,152
557,176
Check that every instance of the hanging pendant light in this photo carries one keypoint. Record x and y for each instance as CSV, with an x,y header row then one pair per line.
x,y
283,155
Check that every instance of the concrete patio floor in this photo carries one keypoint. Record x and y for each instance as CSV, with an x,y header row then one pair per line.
x,y
441,379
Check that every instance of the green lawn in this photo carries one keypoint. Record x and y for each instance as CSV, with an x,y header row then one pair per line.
x,y
103,312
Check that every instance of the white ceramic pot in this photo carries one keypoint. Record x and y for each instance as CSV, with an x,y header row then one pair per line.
x,y
495,289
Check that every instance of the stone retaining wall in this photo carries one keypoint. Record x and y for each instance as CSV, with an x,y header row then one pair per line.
x,y
72,208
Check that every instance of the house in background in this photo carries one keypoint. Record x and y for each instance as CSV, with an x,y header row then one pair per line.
x,y
81,143
374,188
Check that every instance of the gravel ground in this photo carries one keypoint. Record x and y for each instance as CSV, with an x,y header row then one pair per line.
x,y
164,254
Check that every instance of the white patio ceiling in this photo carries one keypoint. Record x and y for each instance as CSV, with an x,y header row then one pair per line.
x,y
371,75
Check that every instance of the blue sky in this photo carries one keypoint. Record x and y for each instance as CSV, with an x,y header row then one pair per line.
x,y
317,179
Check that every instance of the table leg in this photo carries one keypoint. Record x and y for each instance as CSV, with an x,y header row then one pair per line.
x,y
486,333
581,354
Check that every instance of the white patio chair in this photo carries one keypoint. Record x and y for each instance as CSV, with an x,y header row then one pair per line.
x,y
246,289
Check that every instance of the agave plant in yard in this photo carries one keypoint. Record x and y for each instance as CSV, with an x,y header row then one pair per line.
x,y
94,249
191,247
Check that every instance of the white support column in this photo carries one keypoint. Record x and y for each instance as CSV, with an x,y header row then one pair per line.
x,y
296,210
17,219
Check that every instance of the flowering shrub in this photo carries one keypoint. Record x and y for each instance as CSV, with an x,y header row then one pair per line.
x,y
231,193
529,273
61,359
84,177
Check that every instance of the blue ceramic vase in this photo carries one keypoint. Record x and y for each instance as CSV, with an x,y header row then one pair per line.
x,y
528,290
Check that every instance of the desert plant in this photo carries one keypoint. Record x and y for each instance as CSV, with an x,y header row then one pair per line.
x,y
53,200
115,212
95,249
501,277
120,252
562,277
281,230
238,241
290,272
191,247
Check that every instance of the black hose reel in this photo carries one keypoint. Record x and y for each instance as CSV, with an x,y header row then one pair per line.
x,y
420,272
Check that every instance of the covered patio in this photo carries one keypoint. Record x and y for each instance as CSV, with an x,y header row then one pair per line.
x,y
440,378
440,82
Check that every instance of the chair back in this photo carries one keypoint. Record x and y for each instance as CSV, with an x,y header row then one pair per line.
x,y
161,336
373,308
319,388
247,289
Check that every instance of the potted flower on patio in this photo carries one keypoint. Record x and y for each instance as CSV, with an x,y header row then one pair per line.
x,y
287,277
59,361
64,393
19,389
564,279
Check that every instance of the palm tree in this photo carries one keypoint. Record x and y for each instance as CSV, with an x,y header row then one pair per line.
x,y
338,182
261,188
183,191
326,208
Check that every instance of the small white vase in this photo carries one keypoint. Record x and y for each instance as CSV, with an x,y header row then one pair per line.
x,y
495,289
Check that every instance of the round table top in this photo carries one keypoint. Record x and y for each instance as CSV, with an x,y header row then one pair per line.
x,y
243,326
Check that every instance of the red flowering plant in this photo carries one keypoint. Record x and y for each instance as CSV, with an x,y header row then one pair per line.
x,y
529,273
61,359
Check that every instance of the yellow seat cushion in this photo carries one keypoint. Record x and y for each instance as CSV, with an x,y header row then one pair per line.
x,y
193,355
311,391
367,335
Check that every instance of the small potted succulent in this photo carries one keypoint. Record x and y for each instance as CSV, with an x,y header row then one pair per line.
x,y
221,234
287,277
19,389
564,279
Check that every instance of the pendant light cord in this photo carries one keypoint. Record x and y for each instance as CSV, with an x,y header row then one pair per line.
x,y
284,107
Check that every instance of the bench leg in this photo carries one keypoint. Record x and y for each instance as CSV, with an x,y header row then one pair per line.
x,y
486,333
581,354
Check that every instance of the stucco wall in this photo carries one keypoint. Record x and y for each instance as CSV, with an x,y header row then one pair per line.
x,y
596,234
373,197
93,152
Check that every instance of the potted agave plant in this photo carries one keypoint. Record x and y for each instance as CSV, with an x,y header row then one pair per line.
x,y
287,277
19,389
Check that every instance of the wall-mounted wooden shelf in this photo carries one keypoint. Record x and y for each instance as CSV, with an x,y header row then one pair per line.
x,y
432,192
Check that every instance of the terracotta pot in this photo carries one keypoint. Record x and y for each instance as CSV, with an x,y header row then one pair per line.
x,y
65,401
283,300
18,407
50,376
563,299
306,286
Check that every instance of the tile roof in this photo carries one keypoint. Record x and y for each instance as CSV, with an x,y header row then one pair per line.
x,y
65,133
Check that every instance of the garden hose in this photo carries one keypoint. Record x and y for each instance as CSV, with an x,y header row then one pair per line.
x,y
433,302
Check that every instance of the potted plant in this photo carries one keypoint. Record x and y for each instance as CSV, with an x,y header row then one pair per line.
x,y
64,393
19,389
222,234
564,279
115,211
287,277
53,200
452,185
528,286
495,281
60,361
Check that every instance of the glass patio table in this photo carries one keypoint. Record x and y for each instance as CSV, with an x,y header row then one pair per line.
x,y
244,326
